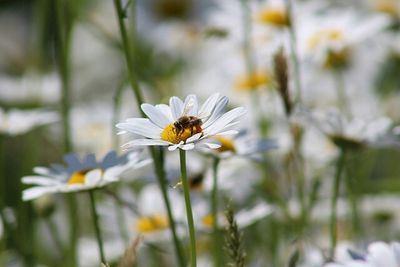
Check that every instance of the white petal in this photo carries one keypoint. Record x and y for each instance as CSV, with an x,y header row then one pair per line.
x,y
35,192
229,132
217,111
93,177
211,145
165,109
176,106
225,120
39,180
155,115
187,146
145,142
42,171
209,105
190,106
194,137
142,127
174,147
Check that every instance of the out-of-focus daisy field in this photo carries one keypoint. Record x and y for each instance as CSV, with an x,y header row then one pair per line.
x,y
209,133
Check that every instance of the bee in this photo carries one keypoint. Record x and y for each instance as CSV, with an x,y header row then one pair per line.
x,y
188,121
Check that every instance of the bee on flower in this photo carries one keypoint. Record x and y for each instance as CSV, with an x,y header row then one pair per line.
x,y
183,124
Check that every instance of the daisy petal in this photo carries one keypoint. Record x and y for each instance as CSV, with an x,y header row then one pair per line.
x,y
187,146
145,142
209,105
141,126
217,111
35,192
155,115
39,180
194,137
176,106
225,120
93,177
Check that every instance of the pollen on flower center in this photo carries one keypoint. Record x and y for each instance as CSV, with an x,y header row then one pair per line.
x,y
77,177
253,81
273,16
153,223
226,144
175,136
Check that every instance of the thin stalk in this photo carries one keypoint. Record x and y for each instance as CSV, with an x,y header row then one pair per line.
x,y
63,45
293,54
336,187
158,162
96,226
189,214
128,52
214,210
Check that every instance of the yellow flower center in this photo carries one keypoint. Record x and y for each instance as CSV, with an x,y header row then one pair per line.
x,y
273,16
325,35
227,144
153,223
173,135
208,220
77,177
337,59
387,6
253,81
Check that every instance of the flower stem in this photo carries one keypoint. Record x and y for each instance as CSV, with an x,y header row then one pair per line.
x,y
293,55
214,210
189,214
55,234
96,226
336,186
158,162
341,93
63,49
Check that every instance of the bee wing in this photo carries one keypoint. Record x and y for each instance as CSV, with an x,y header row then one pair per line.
x,y
188,106
204,115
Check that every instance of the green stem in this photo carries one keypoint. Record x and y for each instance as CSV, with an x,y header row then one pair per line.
x,y
189,214
214,210
159,168
158,162
96,226
293,54
336,187
63,45
127,50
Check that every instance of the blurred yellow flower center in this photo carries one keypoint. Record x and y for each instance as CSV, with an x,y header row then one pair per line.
x,y
226,144
151,223
77,177
273,16
387,6
253,81
173,135
329,35
208,220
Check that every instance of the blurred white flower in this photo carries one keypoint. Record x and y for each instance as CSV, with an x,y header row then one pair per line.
x,y
329,38
183,124
31,88
80,175
15,122
379,254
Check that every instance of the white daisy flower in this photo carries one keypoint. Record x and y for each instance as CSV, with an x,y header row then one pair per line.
x,y
242,145
183,124
80,175
15,122
379,254
353,132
